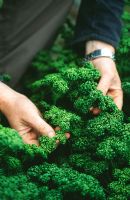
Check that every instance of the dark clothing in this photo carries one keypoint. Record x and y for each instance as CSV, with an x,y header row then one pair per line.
x,y
26,26
99,20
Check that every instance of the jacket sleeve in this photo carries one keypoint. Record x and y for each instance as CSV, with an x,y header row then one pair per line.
x,y
99,20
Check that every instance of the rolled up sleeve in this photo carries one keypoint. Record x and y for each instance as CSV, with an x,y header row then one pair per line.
x,y
99,20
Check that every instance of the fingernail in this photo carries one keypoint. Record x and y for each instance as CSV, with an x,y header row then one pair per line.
x,y
91,109
67,135
51,134
57,141
96,111
57,128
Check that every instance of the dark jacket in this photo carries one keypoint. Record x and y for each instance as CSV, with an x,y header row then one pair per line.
x,y
99,20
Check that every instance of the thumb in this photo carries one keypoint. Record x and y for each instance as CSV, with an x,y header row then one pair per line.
x,y
104,84
117,95
43,128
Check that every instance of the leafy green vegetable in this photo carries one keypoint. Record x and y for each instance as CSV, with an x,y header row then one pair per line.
x,y
95,162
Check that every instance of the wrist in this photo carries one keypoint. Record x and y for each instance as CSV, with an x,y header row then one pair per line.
x,y
7,95
93,45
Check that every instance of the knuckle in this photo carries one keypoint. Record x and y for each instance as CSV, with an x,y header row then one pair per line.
x,y
46,130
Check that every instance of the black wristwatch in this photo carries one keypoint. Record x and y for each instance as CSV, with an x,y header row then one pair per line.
x,y
100,53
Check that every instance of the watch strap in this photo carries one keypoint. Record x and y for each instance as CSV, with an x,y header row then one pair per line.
x,y
100,53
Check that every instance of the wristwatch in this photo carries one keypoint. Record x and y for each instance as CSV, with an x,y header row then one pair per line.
x,y
100,53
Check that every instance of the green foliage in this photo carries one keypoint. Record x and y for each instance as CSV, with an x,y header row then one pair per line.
x,y
10,141
121,185
83,162
66,120
67,180
95,162
17,187
1,3
123,56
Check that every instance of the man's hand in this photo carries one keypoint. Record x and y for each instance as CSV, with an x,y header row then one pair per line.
x,y
23,115
109,83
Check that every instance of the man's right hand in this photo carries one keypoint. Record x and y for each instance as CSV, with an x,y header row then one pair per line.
x,y
23,115
110,83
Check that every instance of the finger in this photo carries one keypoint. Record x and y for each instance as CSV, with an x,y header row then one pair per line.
x,y
23,130
42,127
30,137
57,128
32,142
119,102
104,84
67,135
96,111
117,96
